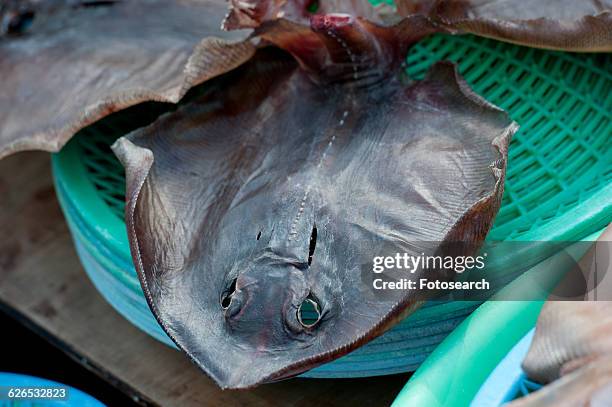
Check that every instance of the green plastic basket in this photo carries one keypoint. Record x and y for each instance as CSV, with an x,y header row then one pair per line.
x,y
558,184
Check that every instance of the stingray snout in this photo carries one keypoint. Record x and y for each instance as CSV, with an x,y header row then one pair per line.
x,y
273,296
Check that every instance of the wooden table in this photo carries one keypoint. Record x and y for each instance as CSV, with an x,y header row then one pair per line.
x,y
43,284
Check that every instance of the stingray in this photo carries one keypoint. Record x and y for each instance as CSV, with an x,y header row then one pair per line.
x,y
66,64
569,25
255,209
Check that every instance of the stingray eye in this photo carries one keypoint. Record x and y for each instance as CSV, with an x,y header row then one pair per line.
x,y
226,298
313,244
258,235
309,312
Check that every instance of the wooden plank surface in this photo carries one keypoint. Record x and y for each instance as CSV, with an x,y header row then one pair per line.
x,y
43,284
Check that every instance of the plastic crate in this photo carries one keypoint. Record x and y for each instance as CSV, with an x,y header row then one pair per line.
x,y
558,184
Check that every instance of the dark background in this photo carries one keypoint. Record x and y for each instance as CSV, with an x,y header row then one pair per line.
x,y
24,351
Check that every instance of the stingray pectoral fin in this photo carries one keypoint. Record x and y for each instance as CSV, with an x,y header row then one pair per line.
x,y
75,65
475,223
580,26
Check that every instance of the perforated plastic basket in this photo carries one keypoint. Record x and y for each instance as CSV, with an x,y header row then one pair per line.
x,y
558,185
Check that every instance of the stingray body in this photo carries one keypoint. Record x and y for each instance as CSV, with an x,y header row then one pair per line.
x,y
273,190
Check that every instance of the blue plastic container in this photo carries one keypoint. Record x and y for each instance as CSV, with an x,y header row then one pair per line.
x,y
75,397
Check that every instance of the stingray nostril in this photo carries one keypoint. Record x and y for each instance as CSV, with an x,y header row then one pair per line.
x,y
313,244
16,22
309,312
226,297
